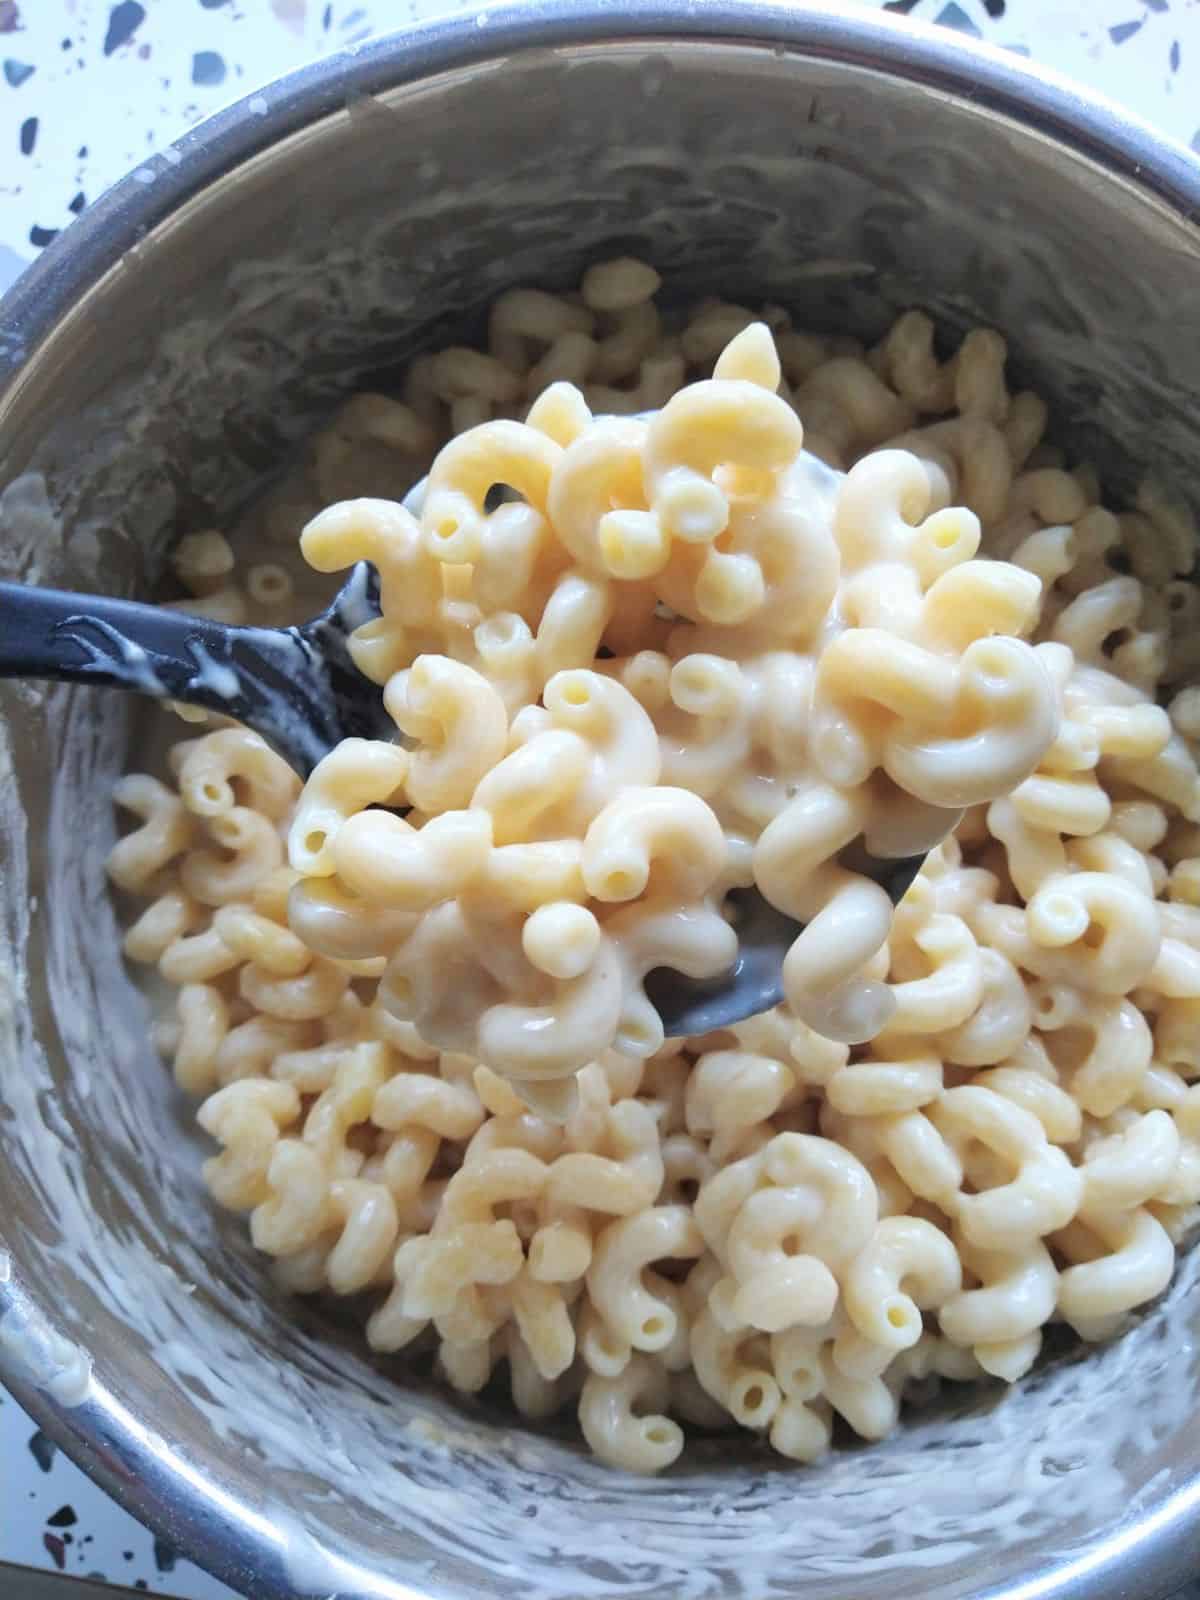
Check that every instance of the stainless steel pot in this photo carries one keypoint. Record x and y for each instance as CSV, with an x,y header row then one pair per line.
x,y
152,367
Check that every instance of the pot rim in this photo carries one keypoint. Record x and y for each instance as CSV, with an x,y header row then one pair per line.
x,y
132,1463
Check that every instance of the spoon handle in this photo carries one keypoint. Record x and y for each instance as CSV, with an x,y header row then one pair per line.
x,y
88,638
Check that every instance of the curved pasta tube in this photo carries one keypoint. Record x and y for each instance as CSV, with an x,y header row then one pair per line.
x,y
388,862
1126,1169
1008,705
777,1283
705,737
1056,1110
459,725
1017,1294
418,1099
551,1039
438,982
666,832
614,1430
724,422
847,916
356,773
1046,1191
203,1025
879,506
623,1178
821,969
908,1266
731,1091
365,1215
1094,929
167,830
599,472
260,940
733,1366
692,938
453,517
214,763
977,599
384,533
535,780
1137,1265
998,1024
335,923
953,989
248,851
779,549
886,1082
621,1288
622,738
246,1119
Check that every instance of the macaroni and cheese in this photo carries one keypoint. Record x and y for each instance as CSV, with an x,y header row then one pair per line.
x,y
749,596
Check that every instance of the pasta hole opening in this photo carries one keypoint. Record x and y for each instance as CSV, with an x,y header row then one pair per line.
x,y
315,841
754,1398
576,693
1094,937
226,831
445,529
898,1315
656,1433
945,536
213,793
1060,906
619,884
653,1327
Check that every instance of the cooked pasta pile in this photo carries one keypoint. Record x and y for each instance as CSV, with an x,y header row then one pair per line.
x,y
680,658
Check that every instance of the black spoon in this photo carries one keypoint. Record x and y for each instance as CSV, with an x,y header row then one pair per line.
x,y
297,687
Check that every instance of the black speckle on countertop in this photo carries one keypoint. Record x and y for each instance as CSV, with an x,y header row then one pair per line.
x,y
1156,5
56,1549
326,18
40,237
28,135
10,16
17,72
213,5
901,7
208,68
995,9
42,1449
126,1555
1125,30
953,16
165,1556
64,1517
77,204
1175,56
141,1584
123,22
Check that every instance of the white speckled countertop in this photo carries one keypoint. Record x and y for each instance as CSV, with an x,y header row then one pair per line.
x,y
87,89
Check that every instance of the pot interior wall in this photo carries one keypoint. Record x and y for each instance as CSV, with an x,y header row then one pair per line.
x,y
173,393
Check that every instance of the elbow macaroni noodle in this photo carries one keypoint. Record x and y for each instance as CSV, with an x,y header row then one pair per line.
x,y
681,656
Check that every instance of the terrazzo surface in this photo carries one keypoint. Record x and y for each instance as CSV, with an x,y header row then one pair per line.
x,y
90,88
